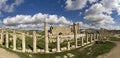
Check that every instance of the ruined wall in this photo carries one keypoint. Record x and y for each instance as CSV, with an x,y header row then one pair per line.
x,y
78,28
54,30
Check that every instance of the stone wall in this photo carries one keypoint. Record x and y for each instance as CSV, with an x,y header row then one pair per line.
x,y
54,30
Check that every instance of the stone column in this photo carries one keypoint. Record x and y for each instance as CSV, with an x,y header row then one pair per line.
x,y
95,37
75,35
99,36
23,42
91,37
87,38
7,43
34,42
14,40
82,41
68,45
1,37
46,37
58,44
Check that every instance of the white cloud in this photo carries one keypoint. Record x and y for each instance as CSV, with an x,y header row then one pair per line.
x,y
35,19
95,9
111,27
99,19
99,14
75,5
9,7
91,1
111,5
95,14
39,26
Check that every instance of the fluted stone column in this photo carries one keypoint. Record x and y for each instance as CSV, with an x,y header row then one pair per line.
x,y
46,37
75,35
1,37
14,40
94,36
86,37
23,42
58,44
82,41
34,41
68,45
91,37
97,36
7,40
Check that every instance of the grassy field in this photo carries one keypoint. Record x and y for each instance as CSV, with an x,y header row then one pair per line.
x,y
89,52
114,39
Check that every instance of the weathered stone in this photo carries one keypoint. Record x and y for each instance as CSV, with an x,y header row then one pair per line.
x,y
68,45
54,30
1,37
70,55
58,44
23,42
86,37
82,41
54,50
75,35
65,56
7,40
91,37
34,41
46,37
14,41
63,48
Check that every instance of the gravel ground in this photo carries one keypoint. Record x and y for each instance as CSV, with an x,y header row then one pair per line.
x,y
6,54
114,53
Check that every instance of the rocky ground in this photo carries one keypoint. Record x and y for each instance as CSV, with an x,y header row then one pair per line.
x,y
6,54
114,53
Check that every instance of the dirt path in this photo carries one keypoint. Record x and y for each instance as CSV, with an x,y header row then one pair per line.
x,y
6,54
114,53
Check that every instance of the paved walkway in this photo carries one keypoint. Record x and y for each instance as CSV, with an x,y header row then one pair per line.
x,y
6,54
114,53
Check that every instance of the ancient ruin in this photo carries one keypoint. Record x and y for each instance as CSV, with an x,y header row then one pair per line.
x,y
58,35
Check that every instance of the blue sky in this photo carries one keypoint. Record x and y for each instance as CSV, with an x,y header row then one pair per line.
x,y
31,7
89,13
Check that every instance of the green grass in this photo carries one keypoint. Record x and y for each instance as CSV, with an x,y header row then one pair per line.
x,y
114,39
89,52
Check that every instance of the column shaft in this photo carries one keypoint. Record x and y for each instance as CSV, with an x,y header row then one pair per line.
x,y
1,37
58,44
7,43
46,37
14,41
68,45
34,41
82,41
91,37
23,42
75,35
86,37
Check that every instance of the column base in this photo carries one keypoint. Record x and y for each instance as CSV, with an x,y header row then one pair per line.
x,y
46,51
59,51
14,49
